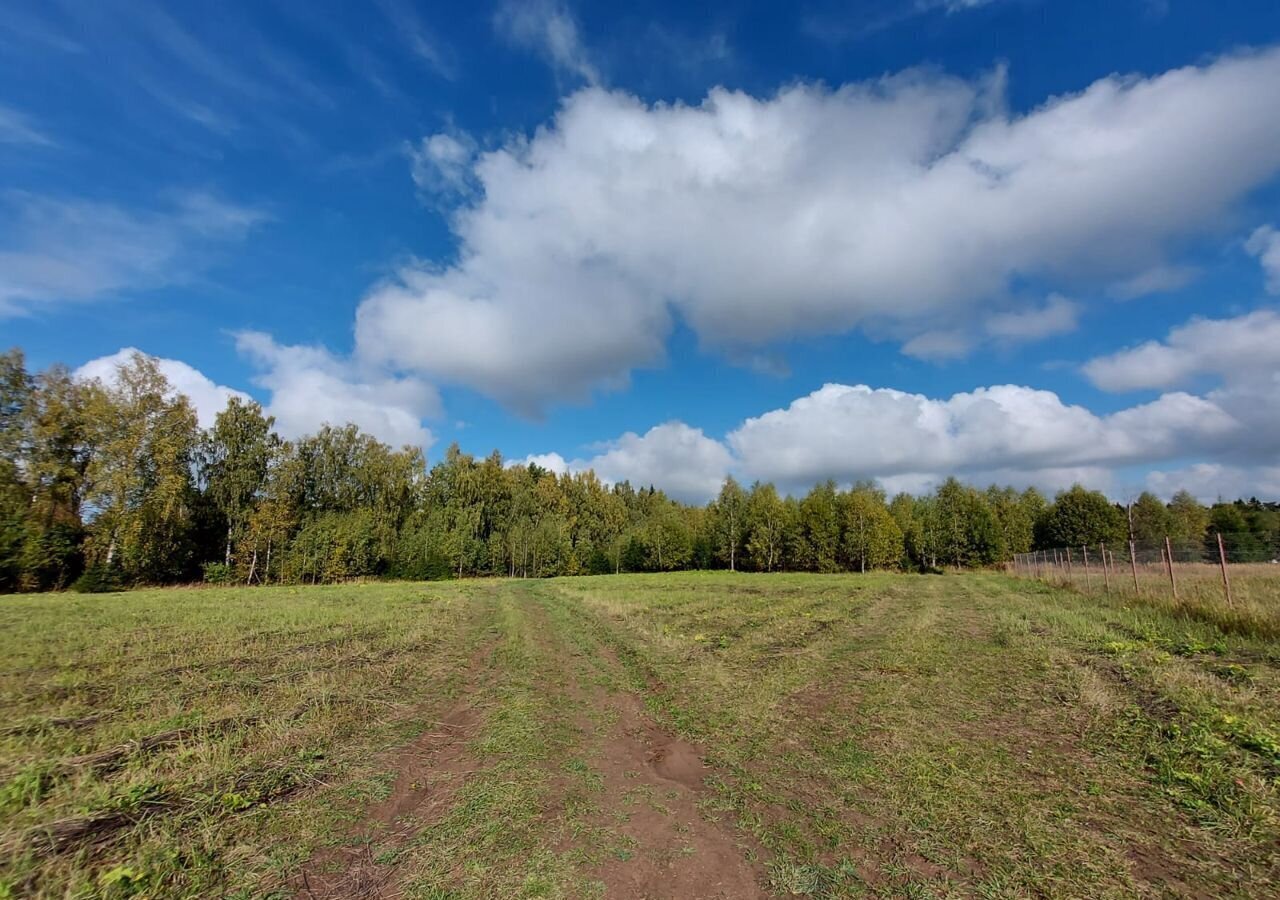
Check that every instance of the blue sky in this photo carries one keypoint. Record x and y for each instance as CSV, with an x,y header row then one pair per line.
x,y
1023,240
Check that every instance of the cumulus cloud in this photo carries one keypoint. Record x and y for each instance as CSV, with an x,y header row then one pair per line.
x,y
899,206
547,27
1208,482
553,462
848,432
679,459
58,250
1237,349
207,397
1007,434
311,387
1058,316
1265,244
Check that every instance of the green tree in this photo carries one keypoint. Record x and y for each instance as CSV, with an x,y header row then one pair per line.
x,y
138,480
237,455
818,535
1188,519
58,455
1080,517
15,402
1149,517
1016,516
766,527
729,521
871,536
968,533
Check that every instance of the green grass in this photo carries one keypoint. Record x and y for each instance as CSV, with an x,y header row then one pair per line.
x,y
878,735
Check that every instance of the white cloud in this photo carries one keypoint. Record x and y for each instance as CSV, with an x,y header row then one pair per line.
x,y
1235,349
939,346
553,462
549,28
311,387
61,250
1015,433
1208,482
1156,280
1058,316
420,39
1265,244
1005,434
901,206
678,459
206,397
16,128
681,460
953,6
441,164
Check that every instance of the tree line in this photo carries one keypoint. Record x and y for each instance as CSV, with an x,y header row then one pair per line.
x,y
109,484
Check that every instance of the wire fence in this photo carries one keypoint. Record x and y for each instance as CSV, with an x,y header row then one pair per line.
x,y
1228,578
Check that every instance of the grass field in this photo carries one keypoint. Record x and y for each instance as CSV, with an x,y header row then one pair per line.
x,y
693,735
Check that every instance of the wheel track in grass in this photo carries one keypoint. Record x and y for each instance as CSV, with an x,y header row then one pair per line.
x,y
651,806
428,773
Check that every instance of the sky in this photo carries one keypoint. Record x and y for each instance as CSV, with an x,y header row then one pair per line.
x,y
1024,241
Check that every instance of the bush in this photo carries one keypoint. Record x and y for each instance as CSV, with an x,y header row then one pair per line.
x,y
217,573
97,579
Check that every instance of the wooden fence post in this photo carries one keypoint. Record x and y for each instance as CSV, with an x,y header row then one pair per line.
x,y
1222,561
1168,556
1088,582
1133,564
1106,573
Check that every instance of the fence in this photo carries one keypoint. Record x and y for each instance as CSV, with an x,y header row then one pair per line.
x,y
1231,578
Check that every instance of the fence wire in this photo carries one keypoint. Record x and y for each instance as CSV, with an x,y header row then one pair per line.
x,y
1175,568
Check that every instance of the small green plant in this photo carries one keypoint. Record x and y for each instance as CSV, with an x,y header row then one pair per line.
x,y
1232,673
122,881
217,573
24,789
98,579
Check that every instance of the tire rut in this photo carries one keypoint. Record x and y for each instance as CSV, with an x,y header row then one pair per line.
x,y
429,772
652,794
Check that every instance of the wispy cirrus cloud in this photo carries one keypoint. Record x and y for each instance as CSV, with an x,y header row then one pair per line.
x,y
17,128
549,28
55,250
420,38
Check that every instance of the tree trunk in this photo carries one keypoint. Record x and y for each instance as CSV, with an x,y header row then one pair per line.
x,y
253,566
228,558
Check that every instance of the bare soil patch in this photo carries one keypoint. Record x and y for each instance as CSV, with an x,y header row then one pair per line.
x,y
428,773
653,784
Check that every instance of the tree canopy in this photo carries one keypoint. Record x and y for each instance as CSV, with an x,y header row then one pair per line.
x,y
114,483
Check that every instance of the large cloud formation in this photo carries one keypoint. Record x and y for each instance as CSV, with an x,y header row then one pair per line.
x,y
308,387
311,387
207,397
680,459
906,206
1223,441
